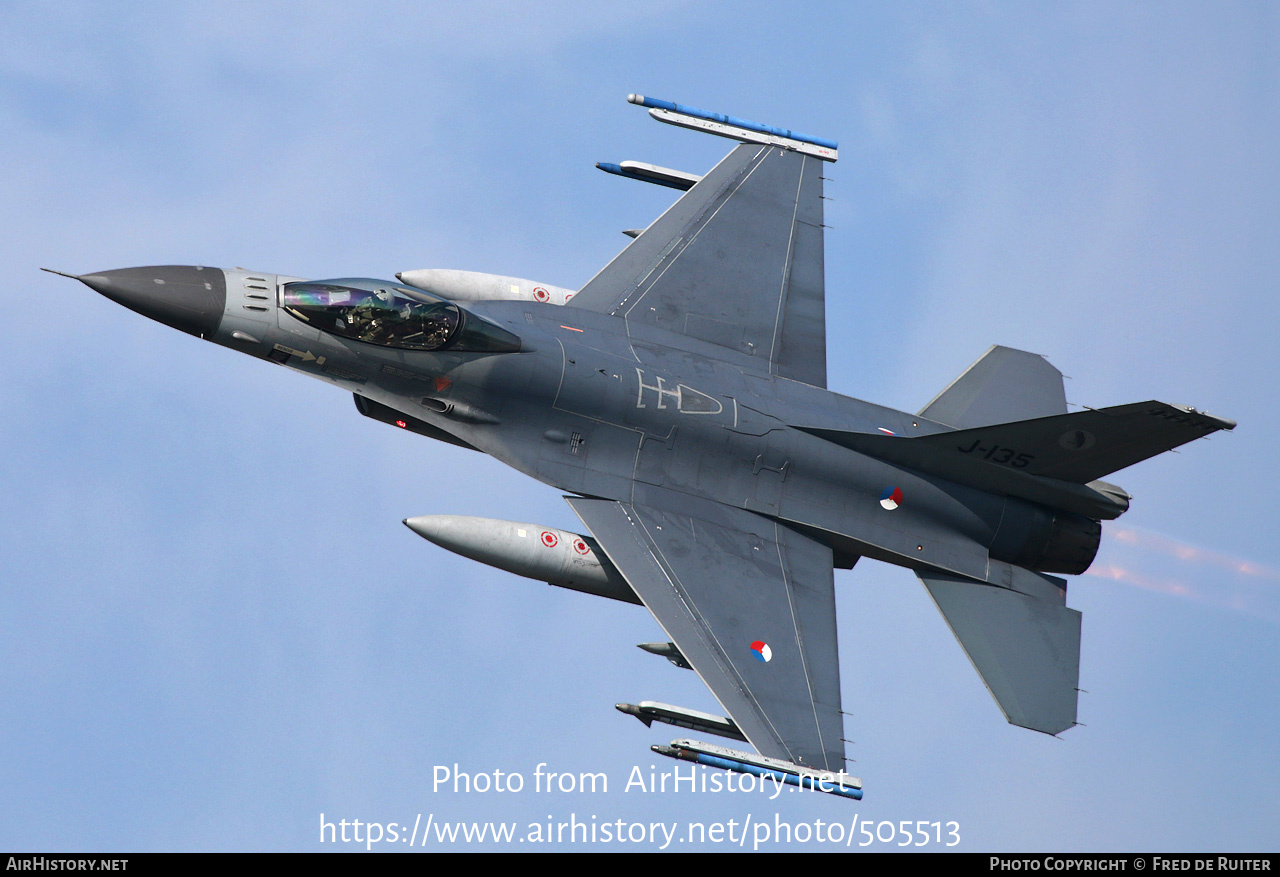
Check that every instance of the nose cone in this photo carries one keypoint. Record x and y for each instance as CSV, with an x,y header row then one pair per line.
x,y
185,297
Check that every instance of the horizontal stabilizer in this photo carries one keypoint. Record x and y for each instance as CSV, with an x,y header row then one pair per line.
x,y
940,457
1026,649
1054,461
1083,446
1003,385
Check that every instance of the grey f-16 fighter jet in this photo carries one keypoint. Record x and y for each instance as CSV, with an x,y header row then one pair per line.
x,y
681,398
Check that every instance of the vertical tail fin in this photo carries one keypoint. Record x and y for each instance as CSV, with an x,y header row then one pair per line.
x,y
1003,385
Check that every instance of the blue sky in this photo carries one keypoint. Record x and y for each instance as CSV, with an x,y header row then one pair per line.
x,y
213,626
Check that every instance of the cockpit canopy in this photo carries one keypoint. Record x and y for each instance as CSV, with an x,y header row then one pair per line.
x,y
392,315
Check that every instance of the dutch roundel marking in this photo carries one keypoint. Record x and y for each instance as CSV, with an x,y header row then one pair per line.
x,y
891,498
761,650
541,294
1077,440
549,539
886,431
580,546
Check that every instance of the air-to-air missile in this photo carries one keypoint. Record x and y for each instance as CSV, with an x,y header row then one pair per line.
x,y
649,711
839,783
558,557
651,173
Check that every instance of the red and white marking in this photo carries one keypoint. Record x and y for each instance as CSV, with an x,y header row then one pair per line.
x,y
549,539
580,546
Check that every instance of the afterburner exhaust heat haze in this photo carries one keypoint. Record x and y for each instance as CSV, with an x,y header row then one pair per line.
x,y
680,399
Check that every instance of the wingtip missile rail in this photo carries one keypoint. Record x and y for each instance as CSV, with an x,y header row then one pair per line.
x,y
830,782
736,129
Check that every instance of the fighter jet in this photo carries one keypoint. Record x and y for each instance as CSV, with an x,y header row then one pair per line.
x,y
680,399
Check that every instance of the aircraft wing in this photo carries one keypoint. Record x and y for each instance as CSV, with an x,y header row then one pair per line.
x,y
751,605
736,261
